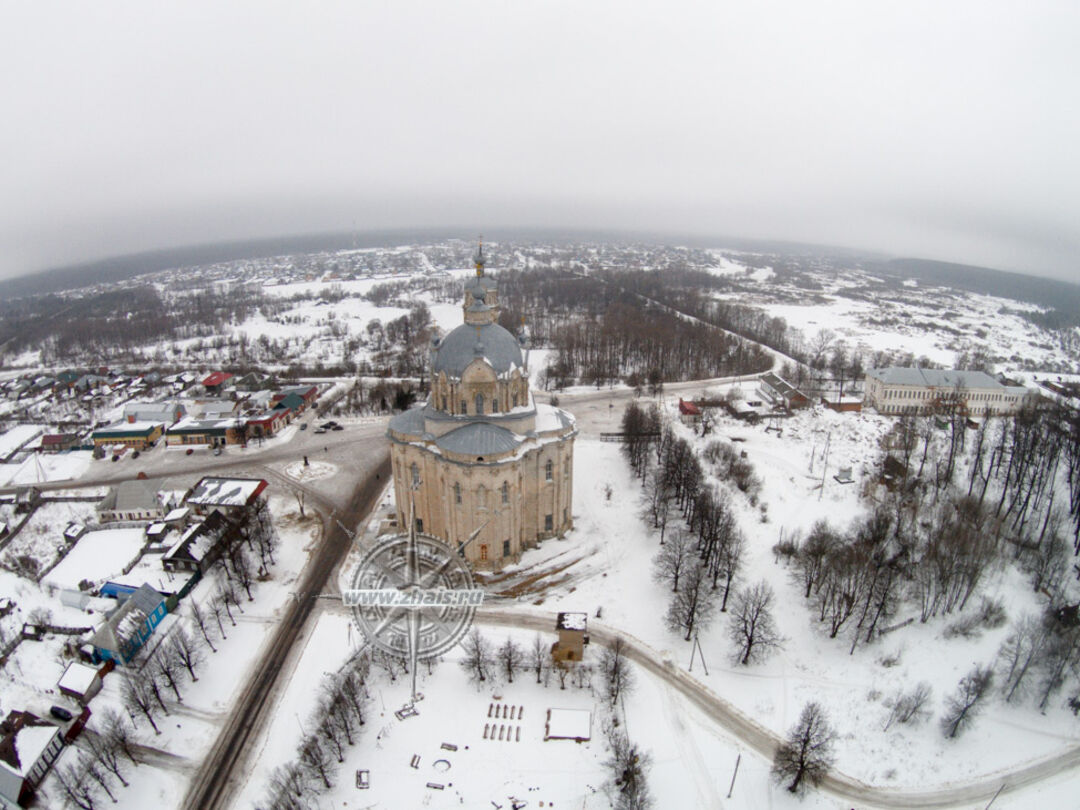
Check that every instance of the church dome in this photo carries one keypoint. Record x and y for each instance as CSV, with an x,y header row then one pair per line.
x,y
465,343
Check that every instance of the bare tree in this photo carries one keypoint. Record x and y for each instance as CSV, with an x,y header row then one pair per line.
x,y
331,734
138,697
510,657
167,664
693,606
752,629
202,624
539,656
674,557
477,659
629,767
316,760
187,650
351,684
909,707
615,669
79,789
1021,653
99,776
287,785
807,753
106,752
240,564
119,735
342,716
962,706
218,608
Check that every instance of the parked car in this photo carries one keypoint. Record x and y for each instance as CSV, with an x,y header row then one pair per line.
x,y
337,427
116,457
217,451
135,454
320,431
60,713
303,426
190,450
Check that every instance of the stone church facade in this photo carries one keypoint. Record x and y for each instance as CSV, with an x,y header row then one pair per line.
x,y
481,452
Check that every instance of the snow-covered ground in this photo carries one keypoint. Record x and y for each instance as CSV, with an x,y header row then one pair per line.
x,y
605,565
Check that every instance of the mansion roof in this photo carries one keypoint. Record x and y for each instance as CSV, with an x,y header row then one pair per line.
x,y
934,377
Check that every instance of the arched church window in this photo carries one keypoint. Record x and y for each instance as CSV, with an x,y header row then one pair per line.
x,y
444,402
549,469
513,400
505,492
464,406
483,551
415,476
479,403
457,493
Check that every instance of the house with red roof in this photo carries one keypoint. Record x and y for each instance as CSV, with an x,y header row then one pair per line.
x,y
215,381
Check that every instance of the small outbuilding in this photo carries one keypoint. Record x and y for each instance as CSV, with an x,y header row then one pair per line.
x,y
568,724
570,647
80,682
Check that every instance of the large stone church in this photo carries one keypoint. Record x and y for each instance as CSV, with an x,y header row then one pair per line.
x,y
481,452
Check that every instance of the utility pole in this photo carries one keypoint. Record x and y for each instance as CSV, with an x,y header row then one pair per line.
x,y
824,465
738,759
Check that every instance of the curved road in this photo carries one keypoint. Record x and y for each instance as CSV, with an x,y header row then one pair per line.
x,y
764,741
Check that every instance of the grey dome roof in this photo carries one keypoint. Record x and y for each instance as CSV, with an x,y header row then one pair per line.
x,y
458,349
478,439
410,421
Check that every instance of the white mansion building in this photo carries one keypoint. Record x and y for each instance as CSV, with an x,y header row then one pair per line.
x,y
897,390
481,452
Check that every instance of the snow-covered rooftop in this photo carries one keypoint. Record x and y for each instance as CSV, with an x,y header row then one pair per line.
x,y
225,491
568,724
77,677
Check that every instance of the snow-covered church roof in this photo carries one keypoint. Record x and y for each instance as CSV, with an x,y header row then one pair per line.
x,y
467,342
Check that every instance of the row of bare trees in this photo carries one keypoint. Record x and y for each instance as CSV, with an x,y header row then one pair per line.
x,y
336,724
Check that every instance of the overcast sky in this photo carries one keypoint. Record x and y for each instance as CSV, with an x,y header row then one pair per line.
x,y
946,130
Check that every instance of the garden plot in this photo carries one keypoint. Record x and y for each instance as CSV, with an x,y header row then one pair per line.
x,y
97,556
41,540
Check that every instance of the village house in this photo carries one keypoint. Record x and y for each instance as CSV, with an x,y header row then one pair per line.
x,y
215,382
28,748
290,405
136,435
125,632
200,545
689,413
211,432
842,404
166,413
780,392
267,424
130,500
224,494
58,442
